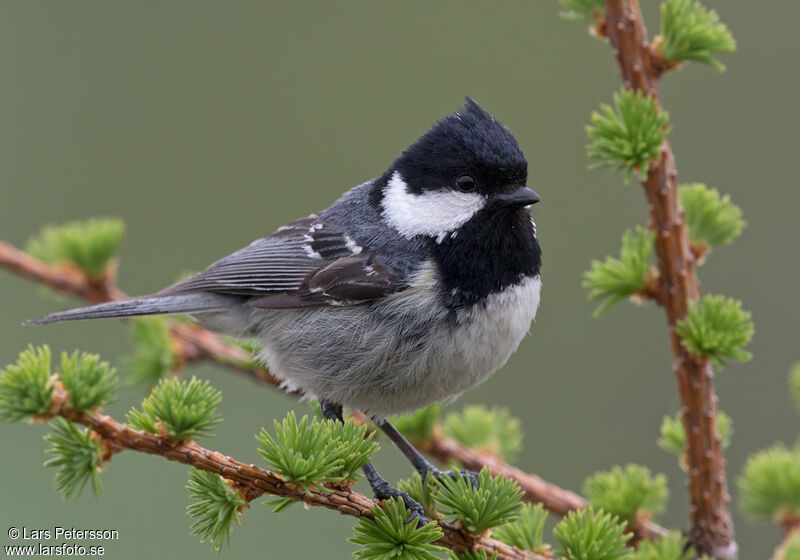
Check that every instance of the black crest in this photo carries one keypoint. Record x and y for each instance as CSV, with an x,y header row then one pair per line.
x,y
470,141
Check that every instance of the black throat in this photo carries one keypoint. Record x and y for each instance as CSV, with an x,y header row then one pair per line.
x,y
496,249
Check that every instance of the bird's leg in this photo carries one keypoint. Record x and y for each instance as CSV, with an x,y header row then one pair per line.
x,y
331,411
380,487
420,463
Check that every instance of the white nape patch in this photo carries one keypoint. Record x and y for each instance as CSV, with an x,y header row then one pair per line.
x,y
354,247
434,214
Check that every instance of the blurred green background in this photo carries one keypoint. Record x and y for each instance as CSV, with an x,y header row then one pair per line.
x,y
205,125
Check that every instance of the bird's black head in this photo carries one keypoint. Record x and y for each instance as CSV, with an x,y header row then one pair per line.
x,y
469,151
467,163
461,187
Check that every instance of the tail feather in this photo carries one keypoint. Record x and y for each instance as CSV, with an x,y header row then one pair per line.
x,y
136,307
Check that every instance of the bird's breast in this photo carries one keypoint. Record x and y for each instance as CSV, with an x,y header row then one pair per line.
x,y
491,331
491,255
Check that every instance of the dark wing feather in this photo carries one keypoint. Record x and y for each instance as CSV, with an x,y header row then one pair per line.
x,y
306,263
350,279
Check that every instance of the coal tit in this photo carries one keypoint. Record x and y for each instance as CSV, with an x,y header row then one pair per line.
x,y
410,289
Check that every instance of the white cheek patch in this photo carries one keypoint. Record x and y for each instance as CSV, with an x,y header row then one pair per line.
x,y
435,214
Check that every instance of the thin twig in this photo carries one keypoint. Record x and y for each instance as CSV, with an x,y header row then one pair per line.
x,y
554,499
791,528
63,279
197,344
253,481
711,529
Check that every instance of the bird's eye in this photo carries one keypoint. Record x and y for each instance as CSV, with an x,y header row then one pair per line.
x,y
465,183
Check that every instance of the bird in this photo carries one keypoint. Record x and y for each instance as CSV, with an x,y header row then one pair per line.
x,y
410,289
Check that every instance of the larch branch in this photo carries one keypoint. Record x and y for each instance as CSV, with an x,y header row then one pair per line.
x,y
711,529
253,481
537,490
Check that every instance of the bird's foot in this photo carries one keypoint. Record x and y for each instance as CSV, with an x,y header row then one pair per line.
x,y
383,491
468,475
417,512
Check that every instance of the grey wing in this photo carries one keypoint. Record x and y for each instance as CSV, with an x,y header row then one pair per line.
x,y
306,263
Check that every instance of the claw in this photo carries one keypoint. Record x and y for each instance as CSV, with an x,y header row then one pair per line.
x,y
417,512
472,476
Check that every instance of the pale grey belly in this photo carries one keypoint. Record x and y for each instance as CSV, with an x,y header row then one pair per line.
x,y
395,355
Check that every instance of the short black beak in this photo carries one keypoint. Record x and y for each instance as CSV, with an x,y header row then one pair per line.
x,y
519,195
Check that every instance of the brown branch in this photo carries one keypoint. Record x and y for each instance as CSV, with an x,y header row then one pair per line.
x,y
554,499
652,290
63,279
253,481
194,343
791,528
711,529
789,523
